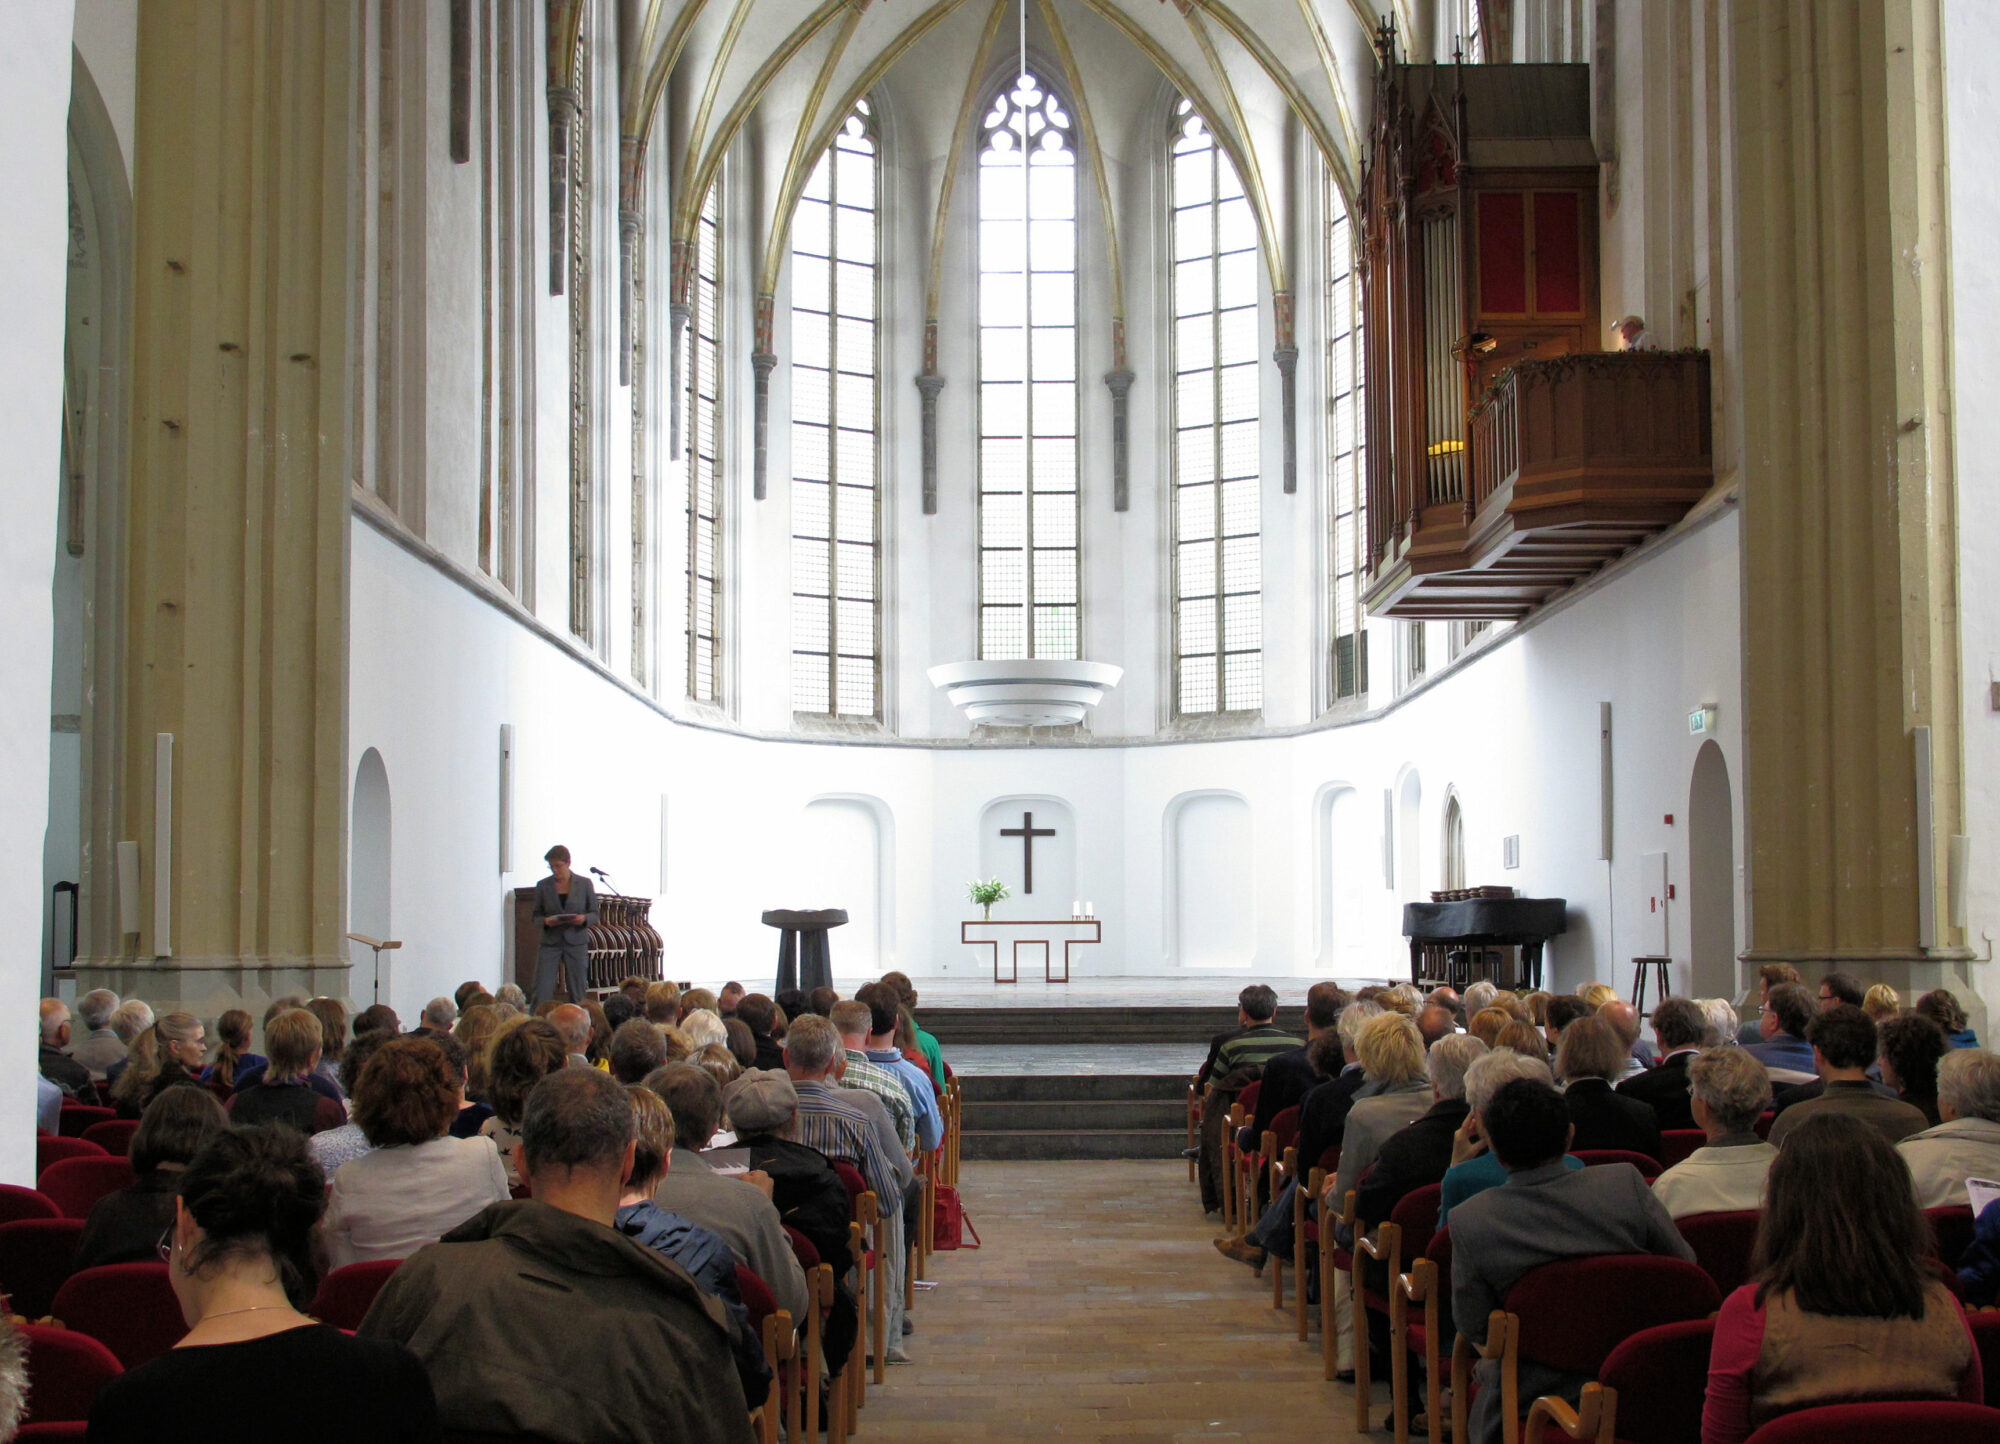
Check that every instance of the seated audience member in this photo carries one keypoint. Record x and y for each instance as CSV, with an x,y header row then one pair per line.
x,y
511,993
742,1046
241,1264
1729,1091
1474,1169
573,1024
820,1001
703,1027
1967,1143
283,1095
693,998
706,1257
618,1011
1596,995
438,1016
1392,1055
167,1055
759,1014
739,1208
56,1064
726,1001
885,1010
913,1053
1420,1153
1256,1039
462,995
1289,1076
1563,1009
1545,1212
416,1183
854,1022
1624,1021
598,1050
100,1046
1434,1022
540,1317
520,1058
636,1050
1446,997
632,989
1334,1057
1401,998
320,1080
1881,1002
1590,1058
719,1063
1679,1029
1478,997
1911,1048
475,1031
470,1116
233,1057
1538,1007
1840,988
1485,1025
1769,976
1524,1038
335,1146
134,1016
1844,1305
332,1017
382,1016
926,1044
1843,1045
1722,1024
126,1226
1788,1011
1942,1009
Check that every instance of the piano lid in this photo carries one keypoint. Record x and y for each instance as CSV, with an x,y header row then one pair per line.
x,y
1515,919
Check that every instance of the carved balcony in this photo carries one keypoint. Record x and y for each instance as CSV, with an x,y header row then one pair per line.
x,y
1569,462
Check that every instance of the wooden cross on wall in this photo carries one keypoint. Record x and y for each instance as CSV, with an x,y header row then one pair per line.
x,y
1027,832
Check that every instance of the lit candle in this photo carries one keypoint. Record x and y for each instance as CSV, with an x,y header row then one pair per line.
x,y
1075,911
1090,909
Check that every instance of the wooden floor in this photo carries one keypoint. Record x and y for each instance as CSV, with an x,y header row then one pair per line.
x,y
1098,1310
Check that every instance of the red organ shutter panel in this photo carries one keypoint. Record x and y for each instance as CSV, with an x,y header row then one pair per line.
x,y
1558,254
1503,258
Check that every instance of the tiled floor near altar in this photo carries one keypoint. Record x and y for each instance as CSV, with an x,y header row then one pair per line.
x,y
1098,1311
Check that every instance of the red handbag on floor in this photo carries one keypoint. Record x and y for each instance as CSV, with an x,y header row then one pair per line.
x,y
951,1224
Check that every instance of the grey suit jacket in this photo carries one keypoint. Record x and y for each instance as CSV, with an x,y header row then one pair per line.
x,y
1546,1214
582,899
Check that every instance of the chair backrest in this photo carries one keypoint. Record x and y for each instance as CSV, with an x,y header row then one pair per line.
x,y
1285,1127
1248,1097
1661,1374
802,1249
1764,1122
18,1202
36,1255
1329,1160
130,1308
1677,1143
65,1370
54,1150
76,1118
345,1294
75,1184
1574,1312
1439,1253
58,1429
1986,1338
851,1180
1722,1243
1593,1157
113,1135
758,1300
1933,1423
1951,1231
1416,1214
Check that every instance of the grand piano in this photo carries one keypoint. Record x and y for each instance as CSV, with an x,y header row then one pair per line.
x,y
1458,943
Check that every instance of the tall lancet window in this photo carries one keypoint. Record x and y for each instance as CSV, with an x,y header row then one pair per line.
x,y
1028,599
834,554
1218,554
704,456
1346,448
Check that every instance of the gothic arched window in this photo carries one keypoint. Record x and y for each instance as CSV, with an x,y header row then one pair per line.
x,y
704,460
835,667
1218,551
1028,582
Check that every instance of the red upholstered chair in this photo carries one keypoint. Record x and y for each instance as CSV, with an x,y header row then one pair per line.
x,y
870,1247
17,1202
35,1258
113,1135
1986,1338
1406,1233
1722,1243
1428,1285
1649,1392
1935,1423
1570,1315
66,1429
76,1118
1951,1232
1592,1157
1764,1122
65,1371
1677,1143
773,1326
1276,1162
49,1151
345,1294
75,1184
130,1308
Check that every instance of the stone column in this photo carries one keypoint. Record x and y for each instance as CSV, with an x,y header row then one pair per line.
x,y
236,630
1850,621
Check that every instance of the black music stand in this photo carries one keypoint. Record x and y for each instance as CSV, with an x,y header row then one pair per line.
x,y
803,959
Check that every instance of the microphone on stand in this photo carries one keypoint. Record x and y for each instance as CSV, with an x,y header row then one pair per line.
x,y
602,876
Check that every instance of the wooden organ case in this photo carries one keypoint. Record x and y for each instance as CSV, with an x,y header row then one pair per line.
x,y
1509,455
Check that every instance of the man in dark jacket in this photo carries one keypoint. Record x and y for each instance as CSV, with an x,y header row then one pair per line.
x,y
540,1317
1679,1028
760,1015
56,1064
1288,1077
1253,1042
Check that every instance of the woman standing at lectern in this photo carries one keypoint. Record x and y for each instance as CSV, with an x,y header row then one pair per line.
x,y
566,906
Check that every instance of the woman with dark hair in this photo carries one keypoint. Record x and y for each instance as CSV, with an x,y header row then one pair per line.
x,y
333,1027
168,1054
416,1183
1943,1009
742,1045
521,1057
232,1056
598,1049
125,1227
335,1146
1845,1304
239,1256
1911,1048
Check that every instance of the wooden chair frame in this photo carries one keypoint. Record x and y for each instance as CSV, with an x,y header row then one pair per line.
x,y
857,1357
780,1348
1232,1220
1421,1285
1276,1170
1329,1326
1315,1181
1594,1420
1502,1342
1194,1099
1385,1248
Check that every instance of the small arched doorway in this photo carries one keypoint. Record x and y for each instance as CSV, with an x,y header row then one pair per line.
x,y
1711,877
368,876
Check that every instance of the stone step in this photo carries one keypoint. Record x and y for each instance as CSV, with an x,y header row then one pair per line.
x,y
981,1088
1093,1115
1060,1025
1035,1145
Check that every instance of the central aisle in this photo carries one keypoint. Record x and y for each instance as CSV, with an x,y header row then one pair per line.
x,y
1098,1311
